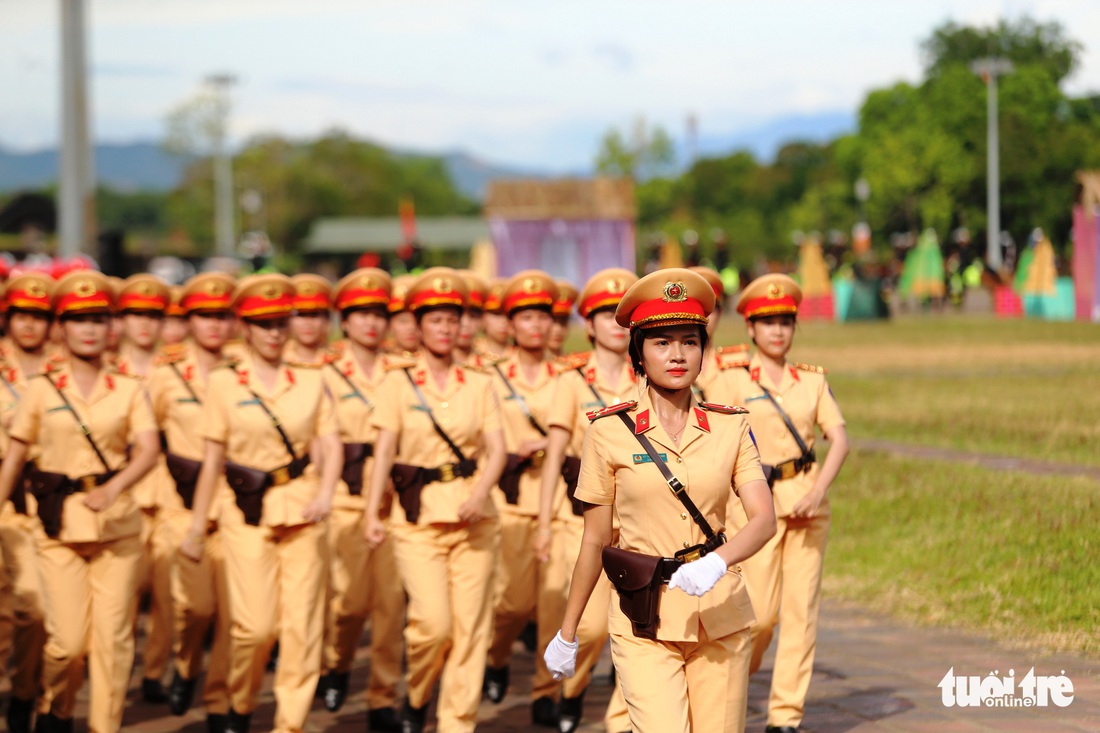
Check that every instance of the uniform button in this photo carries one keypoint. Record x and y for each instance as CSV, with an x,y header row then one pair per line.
x,y
444,404
679,460
683,515
686,545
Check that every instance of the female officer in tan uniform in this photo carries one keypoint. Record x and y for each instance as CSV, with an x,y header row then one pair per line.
x,y
689,670
525,383
446,529
178,388
260,420
85,421
784,578
24,353
604,378
363,581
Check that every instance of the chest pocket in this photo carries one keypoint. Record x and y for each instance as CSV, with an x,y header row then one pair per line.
x,y
109,428
297,421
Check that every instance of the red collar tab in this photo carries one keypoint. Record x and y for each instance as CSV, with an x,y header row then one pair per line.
x,y
590,375
701,419
794,373
755,374
642,423
421,378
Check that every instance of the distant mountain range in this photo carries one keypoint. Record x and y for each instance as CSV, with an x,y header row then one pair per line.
x,y
146,166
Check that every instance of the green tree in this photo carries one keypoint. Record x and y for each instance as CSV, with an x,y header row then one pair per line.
x,y
643,152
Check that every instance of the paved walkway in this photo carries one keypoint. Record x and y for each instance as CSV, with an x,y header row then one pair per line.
x,y
873,675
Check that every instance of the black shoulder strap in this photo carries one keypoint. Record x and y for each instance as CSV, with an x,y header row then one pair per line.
x,y
786,420
10,388
355,390
274,419
83,426
442,433
521,402
186,384
673,483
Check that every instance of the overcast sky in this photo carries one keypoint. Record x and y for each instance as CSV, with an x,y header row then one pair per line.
x,y
511,81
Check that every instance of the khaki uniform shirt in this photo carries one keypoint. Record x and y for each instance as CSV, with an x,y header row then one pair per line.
x,y
538,398
232,416
573,400
12,389
716,455
466,408
804,395
156,488
354,395
178,392
116,412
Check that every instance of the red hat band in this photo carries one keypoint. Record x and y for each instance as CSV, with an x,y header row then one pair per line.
x,y
83,300
266,305
659,312
312,302
771,306
142,302
31,299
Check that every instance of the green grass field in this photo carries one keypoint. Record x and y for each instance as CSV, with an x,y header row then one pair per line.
x,y
939,542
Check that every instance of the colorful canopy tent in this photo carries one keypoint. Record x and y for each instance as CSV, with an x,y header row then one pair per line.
x,y
922,273
1043,293
1086,245
571,228
813,277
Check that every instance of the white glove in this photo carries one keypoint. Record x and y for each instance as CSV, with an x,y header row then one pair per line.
x,y
698,576
561,657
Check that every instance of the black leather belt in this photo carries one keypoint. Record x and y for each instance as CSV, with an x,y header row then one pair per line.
x,y
450,471
790,469
669,565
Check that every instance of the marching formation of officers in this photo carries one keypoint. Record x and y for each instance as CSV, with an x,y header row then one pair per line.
x,y
442,471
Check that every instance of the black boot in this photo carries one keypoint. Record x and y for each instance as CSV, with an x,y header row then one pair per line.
x,y
496,683
217,723
237,723
336,691
19,715
530,636
781,729
383,720
571,708
50,723
413,719
180,694
544,712
152,691
273,658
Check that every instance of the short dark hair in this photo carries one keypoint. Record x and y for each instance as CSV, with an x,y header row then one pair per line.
x,y
637,336
421,312
548,310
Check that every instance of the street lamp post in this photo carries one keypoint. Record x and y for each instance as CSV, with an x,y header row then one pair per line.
x,y
224,228
989,69
76,182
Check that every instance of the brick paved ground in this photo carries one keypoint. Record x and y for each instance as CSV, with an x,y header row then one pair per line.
x,y
872,675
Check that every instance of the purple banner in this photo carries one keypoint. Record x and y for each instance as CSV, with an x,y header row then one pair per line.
x,y
572,250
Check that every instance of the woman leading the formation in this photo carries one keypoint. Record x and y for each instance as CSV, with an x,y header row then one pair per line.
x,y
666,465
788,403
96,436
440,438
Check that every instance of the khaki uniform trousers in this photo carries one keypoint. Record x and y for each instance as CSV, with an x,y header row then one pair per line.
x,y
686,686
22,617
448,571
592,630
200,600
363,582
526,587
276,578
89,590
154,575
784,584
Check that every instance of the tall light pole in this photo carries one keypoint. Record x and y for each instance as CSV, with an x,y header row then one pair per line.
x,y
225,239
989,69
76,189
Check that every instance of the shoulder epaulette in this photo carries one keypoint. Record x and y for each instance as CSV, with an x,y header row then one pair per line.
x,y
732,349
54,363
115,372
572,361
303,364
229,361
723,409
595,415
392,363
810,368
170,354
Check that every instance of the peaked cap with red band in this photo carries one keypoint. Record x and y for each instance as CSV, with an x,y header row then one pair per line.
x,y
436,286
715,280
494,295
399,292
143,292
770,295
528,289
311,293
175,307
604,290
208,291
83,291
30,291
669,297
264,297
366,287
476,289
567,297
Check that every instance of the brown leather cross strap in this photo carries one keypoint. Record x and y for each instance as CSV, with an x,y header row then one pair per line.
x,y
83,426
442,433
673,483
274,421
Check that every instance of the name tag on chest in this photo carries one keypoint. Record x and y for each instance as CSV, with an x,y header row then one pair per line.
x,y
644,458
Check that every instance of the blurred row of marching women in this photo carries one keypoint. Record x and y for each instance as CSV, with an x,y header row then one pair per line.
x,y
441,472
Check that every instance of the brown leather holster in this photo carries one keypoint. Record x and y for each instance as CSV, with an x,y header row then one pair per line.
x,y
637,579
355,455
250,484
571,473
51,490
185,472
